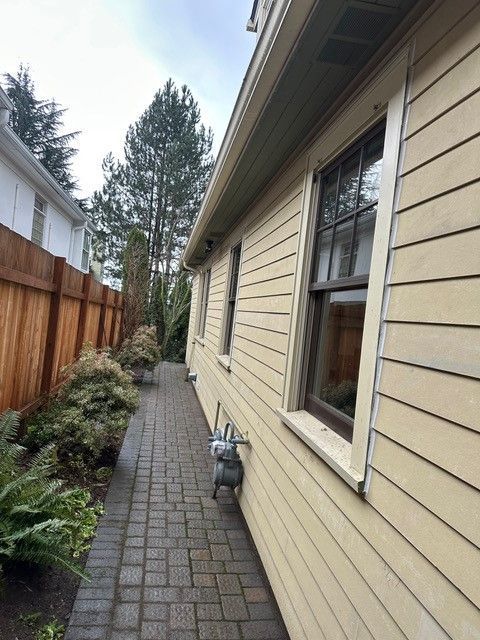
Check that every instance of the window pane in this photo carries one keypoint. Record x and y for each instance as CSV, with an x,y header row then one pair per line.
x,y
347,195
341,250
38,226
364,241
329,195
235,269
38,204
338,349
371,170
324,243
86,241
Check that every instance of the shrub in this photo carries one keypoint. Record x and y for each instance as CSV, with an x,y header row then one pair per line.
x,y
53,630
87,419
39,523
140,351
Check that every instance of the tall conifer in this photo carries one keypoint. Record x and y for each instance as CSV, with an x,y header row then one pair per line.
x,y
39,125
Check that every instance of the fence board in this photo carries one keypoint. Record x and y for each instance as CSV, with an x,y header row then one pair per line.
x,y
48,309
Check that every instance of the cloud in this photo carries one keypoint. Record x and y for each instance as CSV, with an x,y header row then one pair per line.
x,y
104,60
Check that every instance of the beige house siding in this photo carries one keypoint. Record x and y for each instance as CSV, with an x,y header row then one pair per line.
x,y
403,562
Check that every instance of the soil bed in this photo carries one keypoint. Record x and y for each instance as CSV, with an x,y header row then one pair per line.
x,y
49,591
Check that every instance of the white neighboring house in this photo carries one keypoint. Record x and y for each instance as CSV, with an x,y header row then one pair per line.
x,y
33,204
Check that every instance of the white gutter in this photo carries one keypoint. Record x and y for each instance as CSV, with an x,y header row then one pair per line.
x,y
277,40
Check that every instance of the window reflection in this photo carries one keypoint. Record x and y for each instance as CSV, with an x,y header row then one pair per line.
x,y
339,345
371,171
324,244
341,249
329,197
347,193
364,240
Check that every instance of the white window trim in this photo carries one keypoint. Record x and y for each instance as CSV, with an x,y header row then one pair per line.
x,y
85,233
384,96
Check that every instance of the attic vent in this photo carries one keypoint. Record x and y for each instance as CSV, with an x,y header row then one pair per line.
x,y
342,52
361,23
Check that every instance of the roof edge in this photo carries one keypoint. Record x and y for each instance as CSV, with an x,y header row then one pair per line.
x,y
273,50
30,162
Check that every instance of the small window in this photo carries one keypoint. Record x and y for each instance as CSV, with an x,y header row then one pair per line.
x,y
87,240
232,296
349,191
38,224
204,302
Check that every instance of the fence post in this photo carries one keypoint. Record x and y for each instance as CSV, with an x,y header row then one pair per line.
x,y
82,318
53,323
113,325
103,313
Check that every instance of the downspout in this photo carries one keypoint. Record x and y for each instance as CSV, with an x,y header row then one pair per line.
x,y
15,202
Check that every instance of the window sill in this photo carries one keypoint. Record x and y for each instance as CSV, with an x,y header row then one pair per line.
x,y
328,445
200,340
224,361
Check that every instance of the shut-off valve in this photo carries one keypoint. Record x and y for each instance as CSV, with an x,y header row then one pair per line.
x,y
228,469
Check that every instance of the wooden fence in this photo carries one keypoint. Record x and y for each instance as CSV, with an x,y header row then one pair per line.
x,y
48,310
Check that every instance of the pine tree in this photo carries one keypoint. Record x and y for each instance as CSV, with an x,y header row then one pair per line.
x,y
38,123
160,184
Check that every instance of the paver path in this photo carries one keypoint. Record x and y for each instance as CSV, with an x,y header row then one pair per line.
x,y
169,562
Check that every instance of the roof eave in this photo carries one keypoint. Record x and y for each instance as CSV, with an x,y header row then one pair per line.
x,y
31,165
273,49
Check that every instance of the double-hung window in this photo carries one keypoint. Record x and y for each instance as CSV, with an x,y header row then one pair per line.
x,y
38,224
348,200
87,240
232,297
204,303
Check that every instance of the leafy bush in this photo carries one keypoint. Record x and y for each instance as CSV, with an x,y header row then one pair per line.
x,y
141,350
87,419
53,630
39,523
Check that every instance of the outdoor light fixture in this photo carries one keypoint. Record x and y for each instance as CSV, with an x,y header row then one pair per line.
x,y
208,246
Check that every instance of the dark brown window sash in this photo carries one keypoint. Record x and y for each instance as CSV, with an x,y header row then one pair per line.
x,y
232,296
336,420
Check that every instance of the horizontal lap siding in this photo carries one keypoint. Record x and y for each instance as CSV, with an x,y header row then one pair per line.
x,y
403,562
425,463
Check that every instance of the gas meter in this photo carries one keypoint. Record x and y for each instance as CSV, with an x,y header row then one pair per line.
x,y
228,469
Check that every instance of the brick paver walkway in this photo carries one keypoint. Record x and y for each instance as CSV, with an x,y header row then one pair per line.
x,y
169,562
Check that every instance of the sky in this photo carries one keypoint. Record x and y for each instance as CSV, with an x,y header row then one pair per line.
x,y
105,59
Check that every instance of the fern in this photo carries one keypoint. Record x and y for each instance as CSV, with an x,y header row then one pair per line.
x,y
39,523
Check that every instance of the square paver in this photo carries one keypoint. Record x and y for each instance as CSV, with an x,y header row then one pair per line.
x,y
234,608
182,616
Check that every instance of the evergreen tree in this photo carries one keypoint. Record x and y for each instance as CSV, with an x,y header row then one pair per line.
x,y
39,123
160,184
135,281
